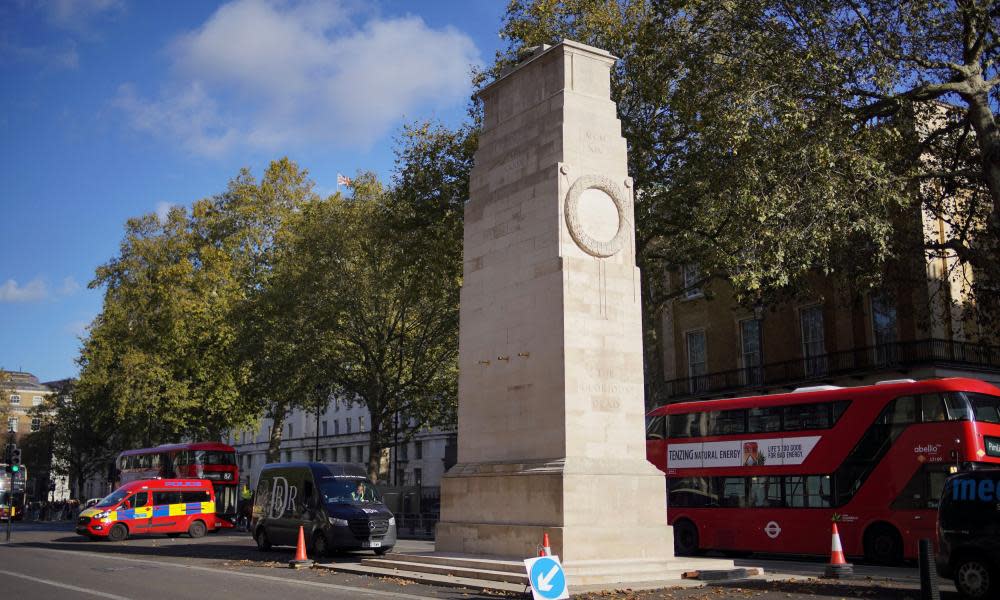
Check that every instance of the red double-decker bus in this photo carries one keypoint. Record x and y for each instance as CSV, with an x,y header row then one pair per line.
x,y
198,460
769,473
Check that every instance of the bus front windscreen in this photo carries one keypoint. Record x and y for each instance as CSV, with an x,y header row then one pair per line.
x,y
985,408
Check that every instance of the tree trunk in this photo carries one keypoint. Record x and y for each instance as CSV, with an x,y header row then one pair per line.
x,y
988,137
274,441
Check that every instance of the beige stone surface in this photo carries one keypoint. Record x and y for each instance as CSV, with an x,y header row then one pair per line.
x,y
551,420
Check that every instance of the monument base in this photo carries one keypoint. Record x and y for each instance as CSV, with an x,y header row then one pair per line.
x,y
507,507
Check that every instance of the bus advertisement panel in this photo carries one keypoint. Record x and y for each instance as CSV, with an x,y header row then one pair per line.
x,y
214,461
769,473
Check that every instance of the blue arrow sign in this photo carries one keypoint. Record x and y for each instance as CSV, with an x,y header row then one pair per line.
x,y
548,582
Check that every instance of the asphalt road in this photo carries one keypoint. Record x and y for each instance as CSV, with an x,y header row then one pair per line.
x,y
48,560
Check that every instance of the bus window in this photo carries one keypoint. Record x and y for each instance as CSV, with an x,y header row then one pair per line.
x,y
838,408
958,408
807,416
985,408
689,425
690,492
727,422
733,491
795,491
656,428
932,408
923,491
765,492
902,411
765,419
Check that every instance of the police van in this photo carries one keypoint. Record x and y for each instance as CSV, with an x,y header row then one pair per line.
x,y
155,506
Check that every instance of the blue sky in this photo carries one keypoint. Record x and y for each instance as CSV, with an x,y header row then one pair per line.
x,y
115,108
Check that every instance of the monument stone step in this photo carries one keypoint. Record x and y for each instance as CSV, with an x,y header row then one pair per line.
x,y
425,578
489,563
449,569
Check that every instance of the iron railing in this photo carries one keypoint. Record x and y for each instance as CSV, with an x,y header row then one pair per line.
x,y
896,356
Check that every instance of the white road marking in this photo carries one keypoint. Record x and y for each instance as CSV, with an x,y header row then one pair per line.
x,y
66,586
316,584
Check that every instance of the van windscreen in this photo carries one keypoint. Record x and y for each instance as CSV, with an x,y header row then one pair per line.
x,y
348,489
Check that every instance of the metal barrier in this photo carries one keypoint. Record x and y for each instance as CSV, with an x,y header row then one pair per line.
x,y
416,525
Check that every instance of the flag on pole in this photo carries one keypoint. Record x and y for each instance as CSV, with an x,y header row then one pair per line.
x,y
341,180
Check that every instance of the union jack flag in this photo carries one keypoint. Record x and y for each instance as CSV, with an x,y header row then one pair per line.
x,y
342,180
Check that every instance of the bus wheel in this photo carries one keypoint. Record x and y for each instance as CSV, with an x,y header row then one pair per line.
x,y
263,544
974,578
883,544
685,538
118,533
197,529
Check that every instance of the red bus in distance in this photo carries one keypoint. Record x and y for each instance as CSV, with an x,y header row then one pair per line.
x,y
197,460
769,473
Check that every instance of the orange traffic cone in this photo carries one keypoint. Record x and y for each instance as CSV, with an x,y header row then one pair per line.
x,y
546,548
301,560
838,566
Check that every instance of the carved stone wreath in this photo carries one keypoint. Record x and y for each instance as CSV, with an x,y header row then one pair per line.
x,y
588,244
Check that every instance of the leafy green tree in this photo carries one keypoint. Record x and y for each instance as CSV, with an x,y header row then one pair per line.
x,y
274,368
377,279
83,439
771,141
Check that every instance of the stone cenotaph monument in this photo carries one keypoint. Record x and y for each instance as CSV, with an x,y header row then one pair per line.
x,y
551,413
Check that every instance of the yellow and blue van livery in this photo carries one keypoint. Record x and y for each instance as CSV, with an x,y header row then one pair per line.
x,y
170,506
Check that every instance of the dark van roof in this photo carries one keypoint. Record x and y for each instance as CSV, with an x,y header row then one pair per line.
x,y
320,469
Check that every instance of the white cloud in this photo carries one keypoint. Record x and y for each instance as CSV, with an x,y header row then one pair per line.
x,y
267,74
11,291
77,14
69,286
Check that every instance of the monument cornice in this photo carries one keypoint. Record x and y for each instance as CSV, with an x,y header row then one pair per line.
x,y
564,45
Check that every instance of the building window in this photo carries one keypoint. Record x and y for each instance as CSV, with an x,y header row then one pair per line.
x,y
347,421
813,347
336,427
12,424
691,274
418,476
15,399
361,423
36,424
333,455
324,428
404,451
359,453
36,401
750,351
697,360
290,431
288,456
883,329
418,449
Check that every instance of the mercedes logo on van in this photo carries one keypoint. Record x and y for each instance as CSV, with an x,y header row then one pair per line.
x,y
371,525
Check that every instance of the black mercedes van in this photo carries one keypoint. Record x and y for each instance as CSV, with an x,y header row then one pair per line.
x,y
969,533
335,504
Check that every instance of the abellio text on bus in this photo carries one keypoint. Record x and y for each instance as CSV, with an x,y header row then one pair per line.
x,y
769,473
213,461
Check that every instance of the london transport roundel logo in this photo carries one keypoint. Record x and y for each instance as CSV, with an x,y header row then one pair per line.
x,y
772,529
